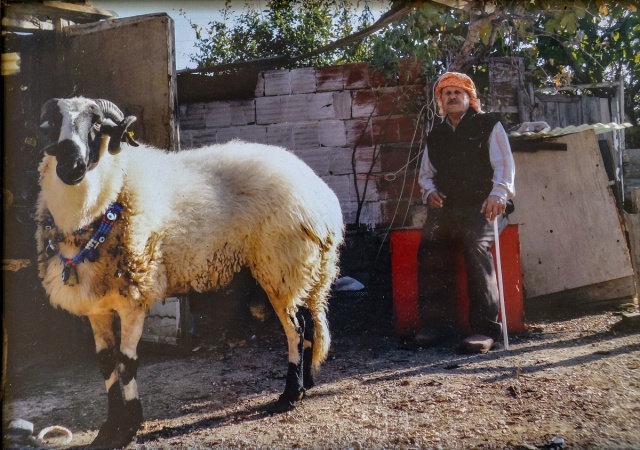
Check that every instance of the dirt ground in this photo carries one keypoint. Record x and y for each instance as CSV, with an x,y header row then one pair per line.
x,y
572,378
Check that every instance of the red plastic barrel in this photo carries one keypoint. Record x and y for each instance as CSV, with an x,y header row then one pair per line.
x,y
404,279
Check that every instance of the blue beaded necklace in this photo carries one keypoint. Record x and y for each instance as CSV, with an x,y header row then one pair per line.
x,y
89,251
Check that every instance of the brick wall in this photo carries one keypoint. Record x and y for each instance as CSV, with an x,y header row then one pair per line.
x,y
329,116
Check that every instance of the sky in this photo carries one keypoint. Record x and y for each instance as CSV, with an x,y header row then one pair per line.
x,y
200,12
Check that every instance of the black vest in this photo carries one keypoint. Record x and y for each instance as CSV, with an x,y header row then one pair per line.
x,y
461,158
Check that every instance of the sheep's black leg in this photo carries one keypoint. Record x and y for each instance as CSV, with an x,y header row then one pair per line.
x,y
294,387
308,333
124,416
106,349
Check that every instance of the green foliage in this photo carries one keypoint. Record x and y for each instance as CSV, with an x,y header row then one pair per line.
x,y
288,28
561,41
428,34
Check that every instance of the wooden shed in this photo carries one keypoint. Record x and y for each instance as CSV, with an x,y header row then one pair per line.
x,y
573,246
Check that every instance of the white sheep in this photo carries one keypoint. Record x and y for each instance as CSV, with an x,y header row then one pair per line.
x,y
120,230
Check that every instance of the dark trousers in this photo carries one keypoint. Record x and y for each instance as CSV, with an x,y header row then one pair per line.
x,y
445,231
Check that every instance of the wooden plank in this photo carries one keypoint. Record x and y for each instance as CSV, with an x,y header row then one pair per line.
x,y
608,294
131,62
550,113
23,25
570,114
49,10
634,197
632,223
570,230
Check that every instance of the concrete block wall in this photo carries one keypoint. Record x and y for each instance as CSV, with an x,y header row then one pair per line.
x,y
329,117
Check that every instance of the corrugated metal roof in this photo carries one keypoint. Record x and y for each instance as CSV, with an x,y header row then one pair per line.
x,y
599,128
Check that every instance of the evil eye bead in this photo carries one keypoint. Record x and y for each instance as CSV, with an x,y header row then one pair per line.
x,y
111,215
101,239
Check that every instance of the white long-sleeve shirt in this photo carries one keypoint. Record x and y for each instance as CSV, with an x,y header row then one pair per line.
x,y
501,160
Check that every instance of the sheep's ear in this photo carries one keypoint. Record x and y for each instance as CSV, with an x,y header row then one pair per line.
x,y
120,133
46,111
127,136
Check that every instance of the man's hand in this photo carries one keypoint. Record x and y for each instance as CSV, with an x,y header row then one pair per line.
x,y
436,199
493,206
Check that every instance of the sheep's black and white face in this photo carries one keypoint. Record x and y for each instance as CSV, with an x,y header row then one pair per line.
x,y
71,131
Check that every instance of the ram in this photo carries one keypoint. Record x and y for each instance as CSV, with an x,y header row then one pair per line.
x,y
119,230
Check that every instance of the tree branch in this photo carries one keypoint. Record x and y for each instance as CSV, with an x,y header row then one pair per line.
x,y
582,77
394,14
471,41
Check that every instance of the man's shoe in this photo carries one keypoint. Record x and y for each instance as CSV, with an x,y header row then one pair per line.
x,y
478,343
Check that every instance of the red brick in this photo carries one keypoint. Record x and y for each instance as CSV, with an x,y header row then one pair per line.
x,y
277,82
358,133
342,105
217,114
377,79
395,214
389,102
341,185
186,139
356,76
348,210
395,157
259,91
243,112
280,134
305,135
280,109
410,71
365,160
332,133
371,192
340,161
399,186
317,158
330,78
384,130
303,80
325,105
364,103
250,133
409,130
192,118
371,214
204,137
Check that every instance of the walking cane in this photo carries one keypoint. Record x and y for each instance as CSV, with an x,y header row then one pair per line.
x,y
503,313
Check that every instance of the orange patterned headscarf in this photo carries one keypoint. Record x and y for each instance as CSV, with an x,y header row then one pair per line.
x,y
461,81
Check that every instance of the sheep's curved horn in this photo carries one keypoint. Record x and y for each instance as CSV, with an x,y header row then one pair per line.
x,y
110,110
118,132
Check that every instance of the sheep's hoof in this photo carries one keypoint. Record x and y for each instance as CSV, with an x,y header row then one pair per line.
x,y
286,402
281,406
111,437
308,382
118,432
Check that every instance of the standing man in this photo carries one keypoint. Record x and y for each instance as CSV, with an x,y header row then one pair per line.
x,y
467,180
